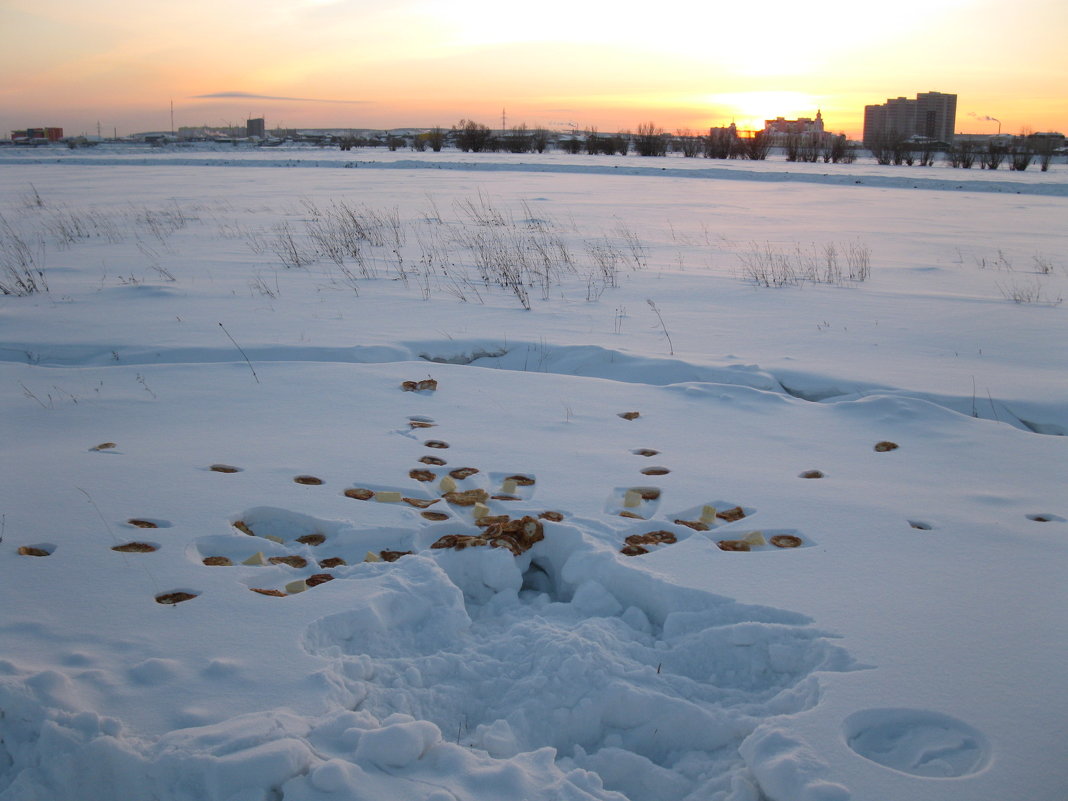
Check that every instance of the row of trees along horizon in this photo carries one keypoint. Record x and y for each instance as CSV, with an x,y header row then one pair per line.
x,y
722,143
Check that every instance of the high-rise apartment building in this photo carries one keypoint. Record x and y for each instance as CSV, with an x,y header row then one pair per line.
x,y
932,115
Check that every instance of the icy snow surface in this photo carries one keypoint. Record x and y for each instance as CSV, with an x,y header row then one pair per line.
x,y
215,364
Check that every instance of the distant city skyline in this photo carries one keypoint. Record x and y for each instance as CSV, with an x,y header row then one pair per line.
x,y
117,67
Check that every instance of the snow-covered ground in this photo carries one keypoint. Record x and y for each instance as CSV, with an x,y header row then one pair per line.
x,y
903,636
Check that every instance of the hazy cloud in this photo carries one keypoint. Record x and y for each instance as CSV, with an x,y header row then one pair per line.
x,y
253,96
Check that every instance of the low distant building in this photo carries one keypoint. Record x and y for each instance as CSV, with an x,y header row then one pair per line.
x,y
1043,139
931,115
806,132
37,135
802,125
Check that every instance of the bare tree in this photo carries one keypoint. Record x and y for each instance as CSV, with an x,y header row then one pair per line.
x,y
900,151
571,145
756,147
887,148
650,140
593,142
792,147
518,140
472,136
435,137
991,157
1045,151
926,153
1021,155
836,149
687,142
721,143
539,140
962,155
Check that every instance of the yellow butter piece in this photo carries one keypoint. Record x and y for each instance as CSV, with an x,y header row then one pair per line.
x,y
632,499
708,514
448,484
255,559
388,497
372,557
481,510
293,587
509,486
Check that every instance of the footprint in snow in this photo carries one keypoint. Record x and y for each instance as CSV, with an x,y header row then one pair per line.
x,y
919,742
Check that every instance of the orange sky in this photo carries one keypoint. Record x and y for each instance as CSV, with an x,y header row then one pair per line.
x,y
363,64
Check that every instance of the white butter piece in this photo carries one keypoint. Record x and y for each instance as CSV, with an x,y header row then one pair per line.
x,y
755,538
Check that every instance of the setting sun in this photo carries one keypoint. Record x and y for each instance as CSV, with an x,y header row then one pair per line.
x,y
749,110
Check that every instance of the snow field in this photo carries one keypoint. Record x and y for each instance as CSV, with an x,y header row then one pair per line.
x,y
877,659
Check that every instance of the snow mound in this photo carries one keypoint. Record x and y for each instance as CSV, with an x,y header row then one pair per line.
x,y
567,647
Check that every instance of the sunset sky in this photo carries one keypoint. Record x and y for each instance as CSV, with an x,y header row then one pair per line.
x,y
553,63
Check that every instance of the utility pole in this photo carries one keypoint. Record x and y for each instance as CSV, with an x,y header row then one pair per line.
x,y
172,118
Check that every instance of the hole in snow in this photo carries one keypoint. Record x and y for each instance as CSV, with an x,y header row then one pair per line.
x,y
536,581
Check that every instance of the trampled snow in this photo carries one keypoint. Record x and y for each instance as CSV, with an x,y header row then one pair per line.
x,y
805,616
